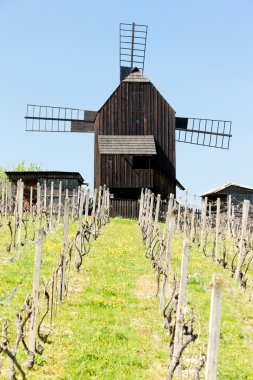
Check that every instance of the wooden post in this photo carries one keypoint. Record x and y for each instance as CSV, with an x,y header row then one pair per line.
x,y
108,202
3,191
20,209
167,260
158,202
45,195
59,202
51,206
185,213
210,212
193,218
178,213
241,255
38,201
87,202
233,220
10,197
36,291
78,195
178,340
64,249
73,203
144,208
31,200
150,219
217,231
94,203
229,215
80,214
15,216
6,198
141,206
99,197
214,329
203,224
169,213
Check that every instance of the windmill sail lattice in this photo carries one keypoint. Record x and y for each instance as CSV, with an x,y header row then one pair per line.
x,y
58,119
133,40
206,132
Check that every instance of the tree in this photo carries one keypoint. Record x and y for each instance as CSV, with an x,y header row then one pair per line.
x,y
21,167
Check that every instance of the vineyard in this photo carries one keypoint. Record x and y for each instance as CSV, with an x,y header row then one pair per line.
x,y
86,296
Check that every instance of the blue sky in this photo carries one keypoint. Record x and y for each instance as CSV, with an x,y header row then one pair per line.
x,y
66,53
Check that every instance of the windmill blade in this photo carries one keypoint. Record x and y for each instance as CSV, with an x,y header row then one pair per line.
x,y
133,40
59,119
205,132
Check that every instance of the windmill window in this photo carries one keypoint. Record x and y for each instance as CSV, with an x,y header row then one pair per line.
x,y
141,162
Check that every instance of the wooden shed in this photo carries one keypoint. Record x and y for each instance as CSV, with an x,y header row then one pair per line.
x,y
135,141
238,194
70,180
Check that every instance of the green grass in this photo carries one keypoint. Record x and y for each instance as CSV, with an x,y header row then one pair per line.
x,y
236,334
17,266
109,326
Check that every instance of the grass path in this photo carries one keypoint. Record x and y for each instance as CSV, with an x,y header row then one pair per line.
x,y
109,326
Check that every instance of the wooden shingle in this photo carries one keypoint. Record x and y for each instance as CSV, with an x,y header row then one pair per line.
x,y
133,145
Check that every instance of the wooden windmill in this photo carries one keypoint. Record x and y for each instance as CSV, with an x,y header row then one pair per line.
x,y
135,130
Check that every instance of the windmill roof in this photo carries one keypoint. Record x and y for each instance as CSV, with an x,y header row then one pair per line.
x,y
136,76
224,187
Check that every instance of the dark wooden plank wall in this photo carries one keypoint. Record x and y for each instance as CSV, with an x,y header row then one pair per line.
x,y
118,117
125,208
130,209
117,171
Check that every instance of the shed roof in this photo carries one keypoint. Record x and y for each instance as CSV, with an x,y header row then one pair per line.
x,y
125,144
13,175
224,187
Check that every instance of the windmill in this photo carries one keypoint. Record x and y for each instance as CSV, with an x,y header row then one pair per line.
x,y
135,130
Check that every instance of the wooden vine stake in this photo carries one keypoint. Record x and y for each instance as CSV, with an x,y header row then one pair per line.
x,y
51,206
241,255
64,249
214,329
178,213
59,202
193,218
20,193
45,195
35,296
178,340
93,215
80,214
141,206
217,231
158,201
185,213
31,200
150,220
87,202
203,224
6,199
166,266
38,208
73,204
229,216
